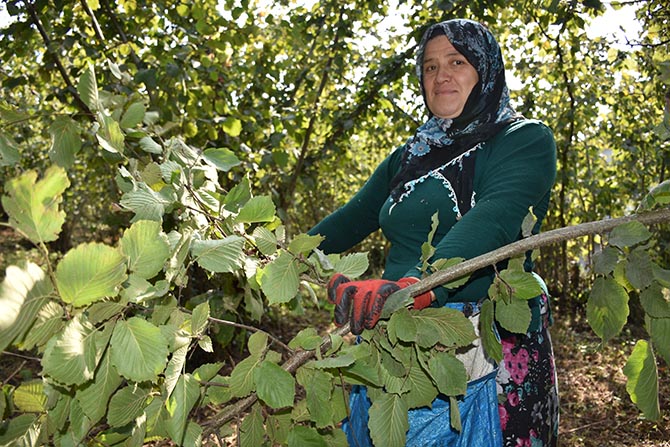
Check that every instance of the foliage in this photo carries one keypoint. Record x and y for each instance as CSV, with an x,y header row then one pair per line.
x,y
200,139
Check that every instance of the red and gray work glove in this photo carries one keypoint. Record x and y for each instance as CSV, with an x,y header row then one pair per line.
x,y
364,300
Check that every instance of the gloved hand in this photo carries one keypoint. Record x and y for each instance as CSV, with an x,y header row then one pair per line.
x,y
365,299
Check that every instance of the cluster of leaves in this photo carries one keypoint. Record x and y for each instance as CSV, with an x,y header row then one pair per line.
x,y
106,320
625,268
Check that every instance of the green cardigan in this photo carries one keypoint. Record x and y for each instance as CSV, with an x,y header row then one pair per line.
x,y
514,171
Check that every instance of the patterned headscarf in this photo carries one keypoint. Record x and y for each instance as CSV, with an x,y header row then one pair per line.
x,y
446,148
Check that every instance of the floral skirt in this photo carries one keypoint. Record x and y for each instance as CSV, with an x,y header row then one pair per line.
x,y
527,389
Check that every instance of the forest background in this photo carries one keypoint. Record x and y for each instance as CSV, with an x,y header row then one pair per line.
x,y
247,122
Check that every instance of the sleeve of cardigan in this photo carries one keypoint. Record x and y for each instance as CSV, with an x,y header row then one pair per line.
x,y
515,174
359,217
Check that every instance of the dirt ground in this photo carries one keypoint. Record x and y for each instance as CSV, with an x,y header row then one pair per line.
x,y
596,410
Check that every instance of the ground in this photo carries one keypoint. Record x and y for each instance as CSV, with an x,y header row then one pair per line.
x,y
596,411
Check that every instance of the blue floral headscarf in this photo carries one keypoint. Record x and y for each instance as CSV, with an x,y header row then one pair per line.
x,y
444,147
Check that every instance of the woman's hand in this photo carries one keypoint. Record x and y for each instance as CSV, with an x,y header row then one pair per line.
x,y
361,302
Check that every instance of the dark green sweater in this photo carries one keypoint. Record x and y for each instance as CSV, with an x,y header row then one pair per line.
x,y
514,171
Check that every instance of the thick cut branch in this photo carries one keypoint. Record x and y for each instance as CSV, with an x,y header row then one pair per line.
x,y
442,277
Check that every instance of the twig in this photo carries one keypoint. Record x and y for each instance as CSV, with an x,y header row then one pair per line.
x,y
15,372
253,329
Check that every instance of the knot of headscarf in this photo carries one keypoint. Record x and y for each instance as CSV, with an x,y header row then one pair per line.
x,y
446,148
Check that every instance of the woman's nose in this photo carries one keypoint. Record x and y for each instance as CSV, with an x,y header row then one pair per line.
x,y
443,74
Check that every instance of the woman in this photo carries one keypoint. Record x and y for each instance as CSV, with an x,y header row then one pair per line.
x,y
481,166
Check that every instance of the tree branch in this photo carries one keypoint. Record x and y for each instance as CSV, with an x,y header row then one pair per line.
x,y
444,276
47,43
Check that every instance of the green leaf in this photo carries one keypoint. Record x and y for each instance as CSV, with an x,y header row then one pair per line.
x,y
454,414
179,405
70,357
242,378
110,136
88,88
103,311
50,321
232,126
605,261
422,392
193,435
174,368
265,240
661,275
514,315
223,159
238,196
21,431
200,318
659,194
490,341
218,395
528,223
133,115
659,329
443,325
93,398
137,290
352,265
65,141
307,339
252,432
340,361
524,285
388,421
448,373
278,425
607,308
9,151
281,279
207,371
318,387
147,144
29,397
258,342
639,269
89,273
274,385
15,291
127,404
139,350
304,243
301,436
220,255
656,301
33,207
146,203
146,247
629,234
402,326
642,385
257,209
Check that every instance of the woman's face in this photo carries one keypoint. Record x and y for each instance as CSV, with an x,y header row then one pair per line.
x,y
448,78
